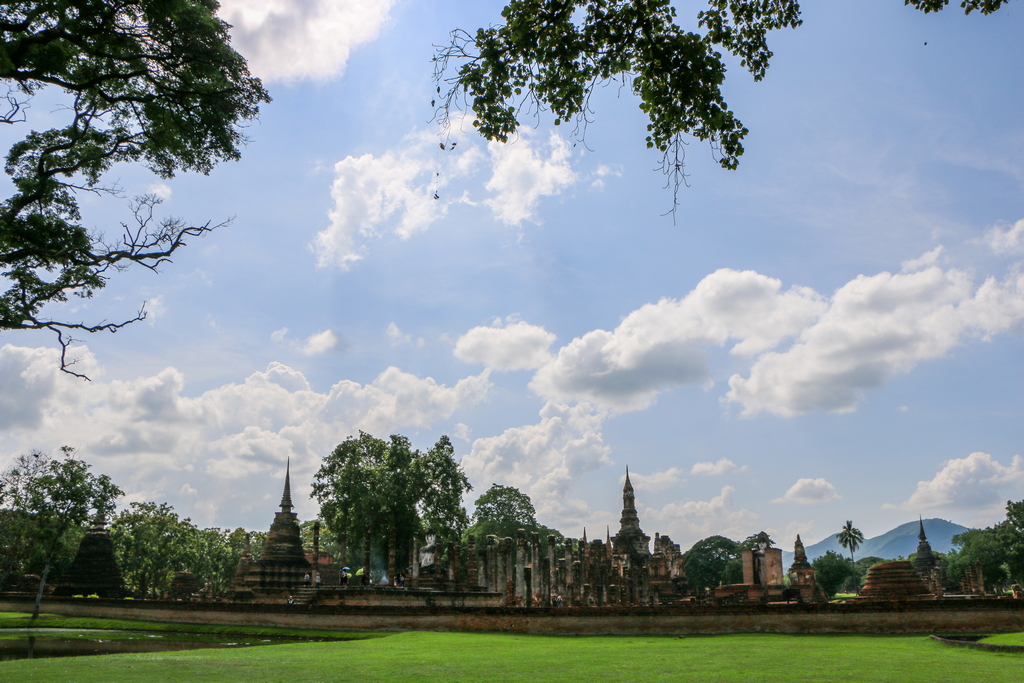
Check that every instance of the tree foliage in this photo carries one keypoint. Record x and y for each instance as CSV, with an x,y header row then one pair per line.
x,y
850,538
831,571
502,511
54,496
370,486
150,81
551,55
713,561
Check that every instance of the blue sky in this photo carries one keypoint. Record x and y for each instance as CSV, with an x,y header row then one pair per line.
x,y
831,332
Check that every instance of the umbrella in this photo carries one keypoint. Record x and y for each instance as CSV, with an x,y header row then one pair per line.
x,y
345,569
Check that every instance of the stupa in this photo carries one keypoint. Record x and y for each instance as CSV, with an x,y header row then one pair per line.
x,y
94,570
282,565
894,581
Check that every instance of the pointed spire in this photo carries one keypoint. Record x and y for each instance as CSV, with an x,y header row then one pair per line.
x,y
921,535
628,485
286,497
584,535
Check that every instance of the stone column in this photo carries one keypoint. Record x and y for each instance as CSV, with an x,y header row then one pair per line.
x,y
552,565
492,563
471,572
457,565
544,575
343,552
316,553
391,557
366,558
414,554
521,596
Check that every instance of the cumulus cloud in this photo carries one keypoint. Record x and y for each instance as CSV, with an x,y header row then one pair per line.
x,y
320,342
659,346
522,173
404,192
809,491
1006,239
656,481
152,437
876,327
291,40
925,260
721,466
544,459
517,346
978,482
691,520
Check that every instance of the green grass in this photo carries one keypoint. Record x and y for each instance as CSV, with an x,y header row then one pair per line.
x,y
24,620
423,656
1005,639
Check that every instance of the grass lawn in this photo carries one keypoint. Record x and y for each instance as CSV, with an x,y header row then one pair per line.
x,y
445,657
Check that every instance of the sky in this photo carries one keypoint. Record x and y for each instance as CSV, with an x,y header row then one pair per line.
x,y
832,332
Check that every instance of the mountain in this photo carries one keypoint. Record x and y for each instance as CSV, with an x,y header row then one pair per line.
x,y
898,542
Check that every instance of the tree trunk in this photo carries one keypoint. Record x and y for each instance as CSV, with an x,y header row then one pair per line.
x,y
42,584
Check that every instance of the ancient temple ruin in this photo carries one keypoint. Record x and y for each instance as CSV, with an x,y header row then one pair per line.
x,y
801,576
282,565
94,570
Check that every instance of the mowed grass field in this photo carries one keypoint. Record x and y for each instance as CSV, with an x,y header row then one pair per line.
x,y
446,657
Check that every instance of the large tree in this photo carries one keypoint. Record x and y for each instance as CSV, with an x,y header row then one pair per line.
x,y
150,81
551,55
713,561
391,491
151,543
831,571
57,495
502,511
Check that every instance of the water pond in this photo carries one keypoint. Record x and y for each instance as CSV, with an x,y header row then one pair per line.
x,y
18,643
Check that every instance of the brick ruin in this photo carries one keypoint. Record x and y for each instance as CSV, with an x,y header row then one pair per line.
x,y
94,570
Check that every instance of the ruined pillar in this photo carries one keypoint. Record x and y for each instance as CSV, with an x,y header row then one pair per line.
x,y
471,575
492,563
391,557
522,597
366,558
552,565
414,561
545,582
343,549
457,565
316,553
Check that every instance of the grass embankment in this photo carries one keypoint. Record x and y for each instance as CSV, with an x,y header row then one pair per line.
x,y
1005,639
504,657
24,620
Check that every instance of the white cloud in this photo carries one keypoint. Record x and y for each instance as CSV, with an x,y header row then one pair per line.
x,y
978,482
291,40
161,190
876,327
659,346
279,335
809,491
656,481
155,308
1006,241
404,192
517,346
927,259
691,520
522,174
544,459
721,466
151,437
320,342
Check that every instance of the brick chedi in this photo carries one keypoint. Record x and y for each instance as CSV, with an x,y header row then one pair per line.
x,y
94,570
894,581
282,565
631,549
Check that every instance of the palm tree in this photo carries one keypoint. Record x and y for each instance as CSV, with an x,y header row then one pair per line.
x,y
850,538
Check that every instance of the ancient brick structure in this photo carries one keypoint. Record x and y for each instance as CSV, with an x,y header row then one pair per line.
x,y
534,572
94,570
801,575
894,581
282,566
762,576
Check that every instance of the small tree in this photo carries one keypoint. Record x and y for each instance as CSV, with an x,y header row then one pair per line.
x,y
57,495
831,571
850,538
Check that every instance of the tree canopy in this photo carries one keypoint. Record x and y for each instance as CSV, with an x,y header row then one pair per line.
x,y
502,511
389,490
713,561
150,81
850,537
54,496
831,571
551,55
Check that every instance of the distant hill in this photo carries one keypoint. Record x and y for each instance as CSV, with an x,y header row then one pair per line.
x,y
898,542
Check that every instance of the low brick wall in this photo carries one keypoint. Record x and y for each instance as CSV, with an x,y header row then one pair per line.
x,y
952,617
